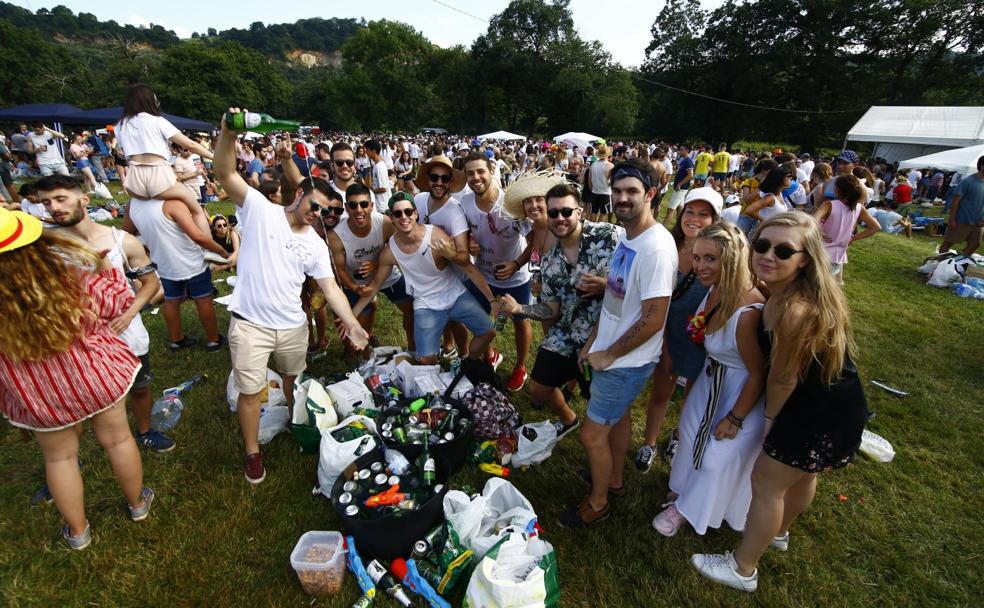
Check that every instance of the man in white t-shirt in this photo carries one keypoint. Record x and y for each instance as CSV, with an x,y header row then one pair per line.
x,y
279,250
625,345
41,142
382,188
807,165
495,242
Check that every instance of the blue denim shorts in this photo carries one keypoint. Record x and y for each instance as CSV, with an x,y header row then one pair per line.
x,y
523,294
395,293
197,287
428,325
614,390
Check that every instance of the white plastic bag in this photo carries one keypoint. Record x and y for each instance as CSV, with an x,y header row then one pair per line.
x,y
100,215
273,420
336,456
945,273
536,450
102,191
272,394
312,405
876,447
929,267
519,572
350,394
481,522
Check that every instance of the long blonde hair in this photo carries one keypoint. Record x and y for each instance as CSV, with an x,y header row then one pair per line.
x,y
825,334
736,276
41,299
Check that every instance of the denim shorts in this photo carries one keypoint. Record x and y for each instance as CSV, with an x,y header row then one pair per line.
x,y
197,287
395,293
614,390
428,325
521,293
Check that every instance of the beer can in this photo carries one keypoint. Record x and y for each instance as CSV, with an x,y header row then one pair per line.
x,y
449,436
387,434
345,498
433,537
420,549
350,487
380,479
413,419
386,426
365,475
352,511
394,480
377,467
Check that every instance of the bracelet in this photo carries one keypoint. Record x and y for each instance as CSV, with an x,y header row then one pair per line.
x,y
734,419
771,418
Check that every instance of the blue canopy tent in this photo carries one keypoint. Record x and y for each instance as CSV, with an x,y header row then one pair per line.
x,y
109,116
45,112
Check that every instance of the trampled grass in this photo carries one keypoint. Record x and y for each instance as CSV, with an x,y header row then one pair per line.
x,y
908,534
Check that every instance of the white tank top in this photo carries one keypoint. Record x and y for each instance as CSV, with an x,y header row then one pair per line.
x,y
365,249
430,287
178,258
135,335
599,183
778,206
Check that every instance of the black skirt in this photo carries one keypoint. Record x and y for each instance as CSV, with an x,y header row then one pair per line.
x,y
820,426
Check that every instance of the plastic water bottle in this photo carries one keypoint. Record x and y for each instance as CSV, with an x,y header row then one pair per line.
x,y
976,283
166,413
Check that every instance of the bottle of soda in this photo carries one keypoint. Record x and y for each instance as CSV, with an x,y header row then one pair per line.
x,y
261,123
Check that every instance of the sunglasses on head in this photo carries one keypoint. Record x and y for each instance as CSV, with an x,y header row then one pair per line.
x,y
326,211
401,213
783,251
565,211
342,163
357,204
444,179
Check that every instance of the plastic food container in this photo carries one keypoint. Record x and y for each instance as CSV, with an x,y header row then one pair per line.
x,y
319,560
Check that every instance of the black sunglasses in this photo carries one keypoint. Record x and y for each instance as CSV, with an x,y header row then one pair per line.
x,y
220,225
783,252
565,211
444,179
357,204
400,213
326,211
342,163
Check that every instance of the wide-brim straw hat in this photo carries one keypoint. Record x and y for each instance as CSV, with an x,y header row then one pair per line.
x,y
17,229
534,183
423,175
602,151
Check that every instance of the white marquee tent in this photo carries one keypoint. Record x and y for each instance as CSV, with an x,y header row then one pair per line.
x,y
502,136
576,138
961,160
901,132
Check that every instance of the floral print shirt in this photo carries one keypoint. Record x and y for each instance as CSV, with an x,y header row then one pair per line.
x,y
578,316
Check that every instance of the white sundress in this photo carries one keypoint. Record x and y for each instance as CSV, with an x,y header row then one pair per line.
x,y
720,487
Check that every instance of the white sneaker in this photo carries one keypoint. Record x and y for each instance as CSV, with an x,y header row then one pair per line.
x,y
780,543
723,569
669,521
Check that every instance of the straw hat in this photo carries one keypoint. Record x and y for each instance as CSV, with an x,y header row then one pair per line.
x,y
423,175
602,151
17,229
534,183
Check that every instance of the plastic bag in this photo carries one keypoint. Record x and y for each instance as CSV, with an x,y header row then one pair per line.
x,y
272,394
876,447
350,394
520,572
100,215
945,273
536,442
929,266
481,522
313,410
273,420
336,455
102,191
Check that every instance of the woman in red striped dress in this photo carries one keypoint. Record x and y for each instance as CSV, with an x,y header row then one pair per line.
x,y
60,363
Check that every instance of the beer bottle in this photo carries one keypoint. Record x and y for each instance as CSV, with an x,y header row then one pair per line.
x,y
261,123
429,468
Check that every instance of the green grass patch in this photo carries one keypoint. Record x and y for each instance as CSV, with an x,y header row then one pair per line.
x,y
908,535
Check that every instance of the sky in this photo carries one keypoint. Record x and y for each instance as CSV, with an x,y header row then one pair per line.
x,y
622,26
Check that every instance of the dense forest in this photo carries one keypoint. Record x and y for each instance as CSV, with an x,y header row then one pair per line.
x,y
800,71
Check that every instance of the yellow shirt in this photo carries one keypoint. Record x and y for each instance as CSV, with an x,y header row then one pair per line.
x,y
703,162
721,161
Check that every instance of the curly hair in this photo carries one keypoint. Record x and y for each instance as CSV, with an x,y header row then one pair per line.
x,y
825,334
41,299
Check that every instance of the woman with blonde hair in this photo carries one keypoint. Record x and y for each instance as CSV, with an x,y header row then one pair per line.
x,y
710,479
821,173
226,236
61,363
815,406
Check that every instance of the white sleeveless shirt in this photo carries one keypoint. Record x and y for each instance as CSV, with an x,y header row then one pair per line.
x,y
429,287
365,249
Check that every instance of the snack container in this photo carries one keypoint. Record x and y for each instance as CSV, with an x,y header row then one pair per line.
x,y
319,560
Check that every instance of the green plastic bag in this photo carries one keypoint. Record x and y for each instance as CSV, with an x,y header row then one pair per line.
x,y
520,571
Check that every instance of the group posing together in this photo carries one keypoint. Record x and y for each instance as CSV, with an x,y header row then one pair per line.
x,y
756,325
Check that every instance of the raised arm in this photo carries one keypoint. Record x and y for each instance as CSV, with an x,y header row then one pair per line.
x,y
224,164
180,215
186,142
285,155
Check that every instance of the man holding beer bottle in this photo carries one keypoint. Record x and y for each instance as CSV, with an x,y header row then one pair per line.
x,y
574,273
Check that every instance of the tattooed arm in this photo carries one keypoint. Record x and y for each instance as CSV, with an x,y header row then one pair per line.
x,y
541,311
652,320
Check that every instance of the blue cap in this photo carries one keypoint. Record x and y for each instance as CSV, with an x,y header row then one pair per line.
x,y
849,156
489,153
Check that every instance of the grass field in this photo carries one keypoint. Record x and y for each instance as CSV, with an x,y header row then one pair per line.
x,y
908,534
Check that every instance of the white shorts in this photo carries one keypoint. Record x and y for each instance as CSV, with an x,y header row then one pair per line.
x,y
677,199
251,345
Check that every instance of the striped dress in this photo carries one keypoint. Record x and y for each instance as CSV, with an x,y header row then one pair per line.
x,y
93,374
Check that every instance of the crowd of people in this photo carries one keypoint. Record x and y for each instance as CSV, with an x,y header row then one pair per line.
x,y
739,300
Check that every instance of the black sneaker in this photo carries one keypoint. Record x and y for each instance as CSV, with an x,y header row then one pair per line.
x,y
182,344
213,347
563,429
644,459
671,446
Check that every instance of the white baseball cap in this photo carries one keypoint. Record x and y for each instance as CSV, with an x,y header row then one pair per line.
x,y
708,195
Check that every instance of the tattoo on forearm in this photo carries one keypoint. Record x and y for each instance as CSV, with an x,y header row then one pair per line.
x,y
626,340
539,311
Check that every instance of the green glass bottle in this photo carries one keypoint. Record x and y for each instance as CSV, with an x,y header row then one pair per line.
x,y
261,123
428,467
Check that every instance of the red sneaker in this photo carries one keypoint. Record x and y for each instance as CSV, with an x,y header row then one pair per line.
x,y
517,379
255,473
494,359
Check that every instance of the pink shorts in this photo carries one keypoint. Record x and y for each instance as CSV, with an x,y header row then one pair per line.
x,y
149,181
